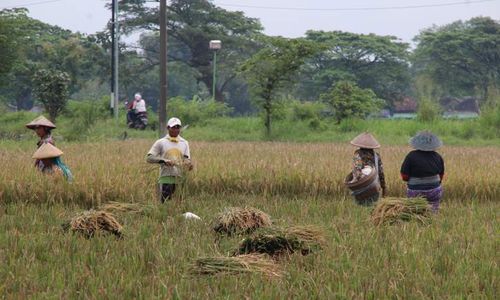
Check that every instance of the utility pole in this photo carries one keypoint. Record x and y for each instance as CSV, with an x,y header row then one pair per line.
x,y
116,51
112,83
162,108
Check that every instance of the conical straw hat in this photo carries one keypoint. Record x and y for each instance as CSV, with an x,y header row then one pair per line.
x,y
40,121
365,140
47,151
425,141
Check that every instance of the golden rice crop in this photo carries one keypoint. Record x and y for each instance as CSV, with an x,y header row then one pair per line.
x,y
92,222
227,167
249,263
394,210
235,220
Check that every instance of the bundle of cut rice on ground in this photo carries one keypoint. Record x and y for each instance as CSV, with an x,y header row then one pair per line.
x,y
92,222
122,207
237,220
393,210
277,241
251,263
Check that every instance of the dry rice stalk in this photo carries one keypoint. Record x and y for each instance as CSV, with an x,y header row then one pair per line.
x,y
122,207
394,210
92,222
237,220
250,263
277,242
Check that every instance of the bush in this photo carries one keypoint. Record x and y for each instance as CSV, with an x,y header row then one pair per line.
x,y
490,121
306,110
83,116
428,111
347,100
196,111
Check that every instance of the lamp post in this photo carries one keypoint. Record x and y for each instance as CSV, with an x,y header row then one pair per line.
x,y
214,45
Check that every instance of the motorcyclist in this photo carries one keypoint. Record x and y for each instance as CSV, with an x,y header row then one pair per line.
x,y
137,115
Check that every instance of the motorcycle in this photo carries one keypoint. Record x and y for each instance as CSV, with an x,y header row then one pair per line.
x,y
137,120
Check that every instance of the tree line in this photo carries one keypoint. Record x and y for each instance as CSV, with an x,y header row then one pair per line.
x,y
354,73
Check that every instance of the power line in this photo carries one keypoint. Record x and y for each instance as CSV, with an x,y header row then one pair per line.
x,y
31,4
356,8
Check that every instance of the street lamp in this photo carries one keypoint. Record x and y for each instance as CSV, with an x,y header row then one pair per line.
x,y
214,45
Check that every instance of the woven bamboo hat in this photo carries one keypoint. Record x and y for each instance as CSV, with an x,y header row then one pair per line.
x,y
47,150
365,140
425,141
40,121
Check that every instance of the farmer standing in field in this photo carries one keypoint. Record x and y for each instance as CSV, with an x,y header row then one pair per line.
x,y
172,153
365,161
42,127
423,169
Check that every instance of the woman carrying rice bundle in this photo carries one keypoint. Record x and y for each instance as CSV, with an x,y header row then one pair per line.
x,y
365,161
423,169
42,127
51,163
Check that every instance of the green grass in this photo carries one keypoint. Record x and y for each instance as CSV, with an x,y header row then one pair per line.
x,y
453,257
388,132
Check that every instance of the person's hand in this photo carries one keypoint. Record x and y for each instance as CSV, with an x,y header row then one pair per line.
x,y
188,164
167,162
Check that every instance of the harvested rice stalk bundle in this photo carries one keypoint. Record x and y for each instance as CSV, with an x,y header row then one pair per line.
x,y
122,207
92,222
251,263
277,242
394,210
237,220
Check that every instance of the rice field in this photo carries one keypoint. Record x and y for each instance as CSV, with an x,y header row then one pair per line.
x,y
453,256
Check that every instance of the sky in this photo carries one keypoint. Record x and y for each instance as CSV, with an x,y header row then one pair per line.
x,y
290,18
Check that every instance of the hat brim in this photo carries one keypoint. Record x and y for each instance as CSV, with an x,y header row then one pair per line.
x,y
365,146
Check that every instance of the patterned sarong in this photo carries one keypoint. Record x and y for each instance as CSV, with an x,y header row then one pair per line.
x,y
433,196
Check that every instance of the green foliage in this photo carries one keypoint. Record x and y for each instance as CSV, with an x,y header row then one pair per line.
x,y
10,39
196,111
380,63
307,110
428,111
51,89
347,100
461,57
427,91
192,24
272,68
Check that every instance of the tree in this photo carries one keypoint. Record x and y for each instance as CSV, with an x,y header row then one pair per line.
x,y
10,39
380,63
51,89
347,100
191,25
461,57
41,45
272,68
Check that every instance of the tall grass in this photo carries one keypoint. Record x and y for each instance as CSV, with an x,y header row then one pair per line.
x,y
453,257
117,170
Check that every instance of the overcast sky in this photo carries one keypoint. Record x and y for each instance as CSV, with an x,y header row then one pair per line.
x,y
291,18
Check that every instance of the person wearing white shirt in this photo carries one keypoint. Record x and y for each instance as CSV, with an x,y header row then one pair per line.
x,y
172,153
139,104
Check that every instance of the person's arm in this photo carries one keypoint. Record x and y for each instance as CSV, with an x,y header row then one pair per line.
x,y
187,157
381,175
154,155
441,171
405,169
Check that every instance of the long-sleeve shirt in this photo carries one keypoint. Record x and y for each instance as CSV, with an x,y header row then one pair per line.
x,y
426,167
366,157
169,148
